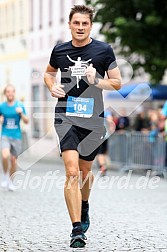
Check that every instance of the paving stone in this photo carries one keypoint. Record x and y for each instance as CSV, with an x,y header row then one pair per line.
x,y
34,218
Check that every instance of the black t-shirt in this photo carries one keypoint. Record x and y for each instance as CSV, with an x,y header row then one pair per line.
x,y
72,61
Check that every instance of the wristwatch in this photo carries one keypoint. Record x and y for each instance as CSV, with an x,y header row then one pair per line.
x,y
96,81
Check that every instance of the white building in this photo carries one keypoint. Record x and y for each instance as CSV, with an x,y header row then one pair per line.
x,y
48,25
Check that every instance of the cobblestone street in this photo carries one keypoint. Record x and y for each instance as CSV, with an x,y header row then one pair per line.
x,y
34,217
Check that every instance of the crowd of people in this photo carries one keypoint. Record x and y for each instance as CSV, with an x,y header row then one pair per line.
x,y
143,121
149,122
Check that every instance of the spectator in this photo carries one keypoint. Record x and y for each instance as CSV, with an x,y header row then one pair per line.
x,y
141,122
123,121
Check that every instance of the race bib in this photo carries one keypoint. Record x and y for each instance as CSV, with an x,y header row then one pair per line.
x,y
80,107
11,124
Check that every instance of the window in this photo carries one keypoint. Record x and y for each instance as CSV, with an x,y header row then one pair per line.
x,y
47,110
21,15
31,15
3,25
50,40
50,13
62,11
32,45
6,20
40,14
35,109
41,43
13,18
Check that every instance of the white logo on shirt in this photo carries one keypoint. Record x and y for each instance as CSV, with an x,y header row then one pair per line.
x,y
78,70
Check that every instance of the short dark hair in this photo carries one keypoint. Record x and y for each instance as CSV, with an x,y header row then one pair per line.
x,y
83,9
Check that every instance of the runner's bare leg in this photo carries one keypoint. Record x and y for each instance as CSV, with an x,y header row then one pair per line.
x,y
72,189
13,165
5,159
87,178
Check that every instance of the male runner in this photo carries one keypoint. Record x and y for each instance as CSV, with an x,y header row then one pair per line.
x,y
11,112
79,122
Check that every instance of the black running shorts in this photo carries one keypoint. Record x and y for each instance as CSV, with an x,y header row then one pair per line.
x,y
85,141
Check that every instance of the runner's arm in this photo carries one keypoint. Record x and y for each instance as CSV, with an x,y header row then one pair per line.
x,y
21,111
50,76
113,82
1,119
50,79
24,118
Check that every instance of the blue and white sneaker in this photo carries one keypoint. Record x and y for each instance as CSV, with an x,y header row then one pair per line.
x,y
77,238
85,221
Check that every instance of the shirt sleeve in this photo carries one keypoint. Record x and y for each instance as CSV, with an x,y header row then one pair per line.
x,y
24,111
0,111
164,109
52,60
110,60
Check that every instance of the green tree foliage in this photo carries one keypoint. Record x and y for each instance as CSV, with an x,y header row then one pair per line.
x,y
141,27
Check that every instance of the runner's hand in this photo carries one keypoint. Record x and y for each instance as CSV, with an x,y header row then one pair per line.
x,y
1,119
57,91
91,74
19,110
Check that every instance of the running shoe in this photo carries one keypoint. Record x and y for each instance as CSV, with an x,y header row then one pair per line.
x,y
5,181
85,221
77,238
11,187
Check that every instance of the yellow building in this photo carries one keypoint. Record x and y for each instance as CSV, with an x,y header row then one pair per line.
x,y
14,65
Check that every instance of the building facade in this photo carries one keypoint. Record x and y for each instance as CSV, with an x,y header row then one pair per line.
x,y
48,25
14,65
29,31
